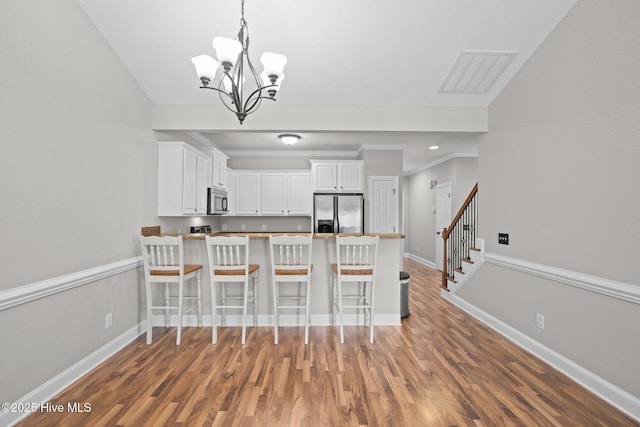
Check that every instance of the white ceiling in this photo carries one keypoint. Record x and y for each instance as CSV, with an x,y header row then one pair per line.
x,y
369,53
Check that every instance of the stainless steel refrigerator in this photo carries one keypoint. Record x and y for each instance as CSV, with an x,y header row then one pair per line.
x,y
338,213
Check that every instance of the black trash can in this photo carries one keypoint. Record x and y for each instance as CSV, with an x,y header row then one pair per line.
x,y
404,294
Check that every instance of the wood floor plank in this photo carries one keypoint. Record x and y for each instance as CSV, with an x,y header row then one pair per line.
x,y
441,367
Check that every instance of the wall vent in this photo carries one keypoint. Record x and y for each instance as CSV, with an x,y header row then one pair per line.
x,y
475,72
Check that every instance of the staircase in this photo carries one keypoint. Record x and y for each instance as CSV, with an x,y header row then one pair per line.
x,y
463,252
467,267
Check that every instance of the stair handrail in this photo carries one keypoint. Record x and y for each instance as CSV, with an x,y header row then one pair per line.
x,y
447,231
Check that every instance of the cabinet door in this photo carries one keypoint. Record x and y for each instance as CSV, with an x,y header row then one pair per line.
x,y
218,170
274,197
202,166
324,177
189,182
298,194
350,177
247,194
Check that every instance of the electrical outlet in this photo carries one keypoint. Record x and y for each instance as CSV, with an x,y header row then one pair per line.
x,y
108,320
540,320
299,227
242,227
224,227
264,227
503,238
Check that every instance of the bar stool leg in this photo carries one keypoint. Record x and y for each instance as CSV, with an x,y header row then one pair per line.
x,y
167,296
245,300
149,312
275,310
307,312
180,296
214,318
255,300
223,302
340,310
199,283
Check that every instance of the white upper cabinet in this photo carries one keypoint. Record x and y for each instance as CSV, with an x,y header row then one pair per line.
x,y
325,177
202,170
218,169
341,176
299,193
286,193
351,177
274,195
182,180
247,193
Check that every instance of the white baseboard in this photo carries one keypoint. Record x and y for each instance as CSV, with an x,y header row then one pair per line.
x,y
617,397
55,385
421,260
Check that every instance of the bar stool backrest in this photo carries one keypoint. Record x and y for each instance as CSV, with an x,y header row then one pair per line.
x,y
228,255
356,255
291,254
162,256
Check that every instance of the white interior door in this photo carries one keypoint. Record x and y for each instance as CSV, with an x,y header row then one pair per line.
x,y
383,204
443,219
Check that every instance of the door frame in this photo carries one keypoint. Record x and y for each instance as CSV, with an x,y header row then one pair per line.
x,y
439,261
396,183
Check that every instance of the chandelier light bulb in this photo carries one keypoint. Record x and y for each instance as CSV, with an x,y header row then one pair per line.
x,y
227,51
206,68
273,65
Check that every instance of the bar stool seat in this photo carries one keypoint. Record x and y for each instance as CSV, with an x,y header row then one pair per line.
x,y
163,259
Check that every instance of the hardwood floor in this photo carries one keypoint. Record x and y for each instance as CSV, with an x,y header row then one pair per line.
x,y
440,368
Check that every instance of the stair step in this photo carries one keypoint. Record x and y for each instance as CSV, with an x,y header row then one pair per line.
x,y
475,249
459,270
452,279
467,260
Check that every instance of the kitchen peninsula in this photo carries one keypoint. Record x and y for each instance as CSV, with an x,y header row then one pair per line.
x,y
387,298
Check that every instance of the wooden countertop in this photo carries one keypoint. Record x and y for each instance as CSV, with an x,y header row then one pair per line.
x,y
265,236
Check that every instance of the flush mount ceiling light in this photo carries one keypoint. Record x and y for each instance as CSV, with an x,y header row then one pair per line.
x,y
289,138
233,55
434,147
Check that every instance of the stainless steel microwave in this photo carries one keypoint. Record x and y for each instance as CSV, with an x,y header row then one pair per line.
x,y
217,203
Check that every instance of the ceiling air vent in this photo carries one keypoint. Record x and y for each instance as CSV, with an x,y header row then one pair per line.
x,y
475,72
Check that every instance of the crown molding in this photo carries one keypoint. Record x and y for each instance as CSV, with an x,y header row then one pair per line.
x,y
278,153
440,161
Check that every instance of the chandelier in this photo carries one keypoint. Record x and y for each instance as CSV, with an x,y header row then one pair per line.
x,y
238,75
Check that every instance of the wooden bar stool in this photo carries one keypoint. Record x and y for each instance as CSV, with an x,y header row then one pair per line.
x,y
356,264
163,259
229,264
291,263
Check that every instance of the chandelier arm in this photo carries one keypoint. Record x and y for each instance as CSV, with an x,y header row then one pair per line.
x,y
224,101
253,102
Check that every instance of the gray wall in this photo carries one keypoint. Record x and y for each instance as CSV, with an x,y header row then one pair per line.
x,y
75,130
558,171
420,201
